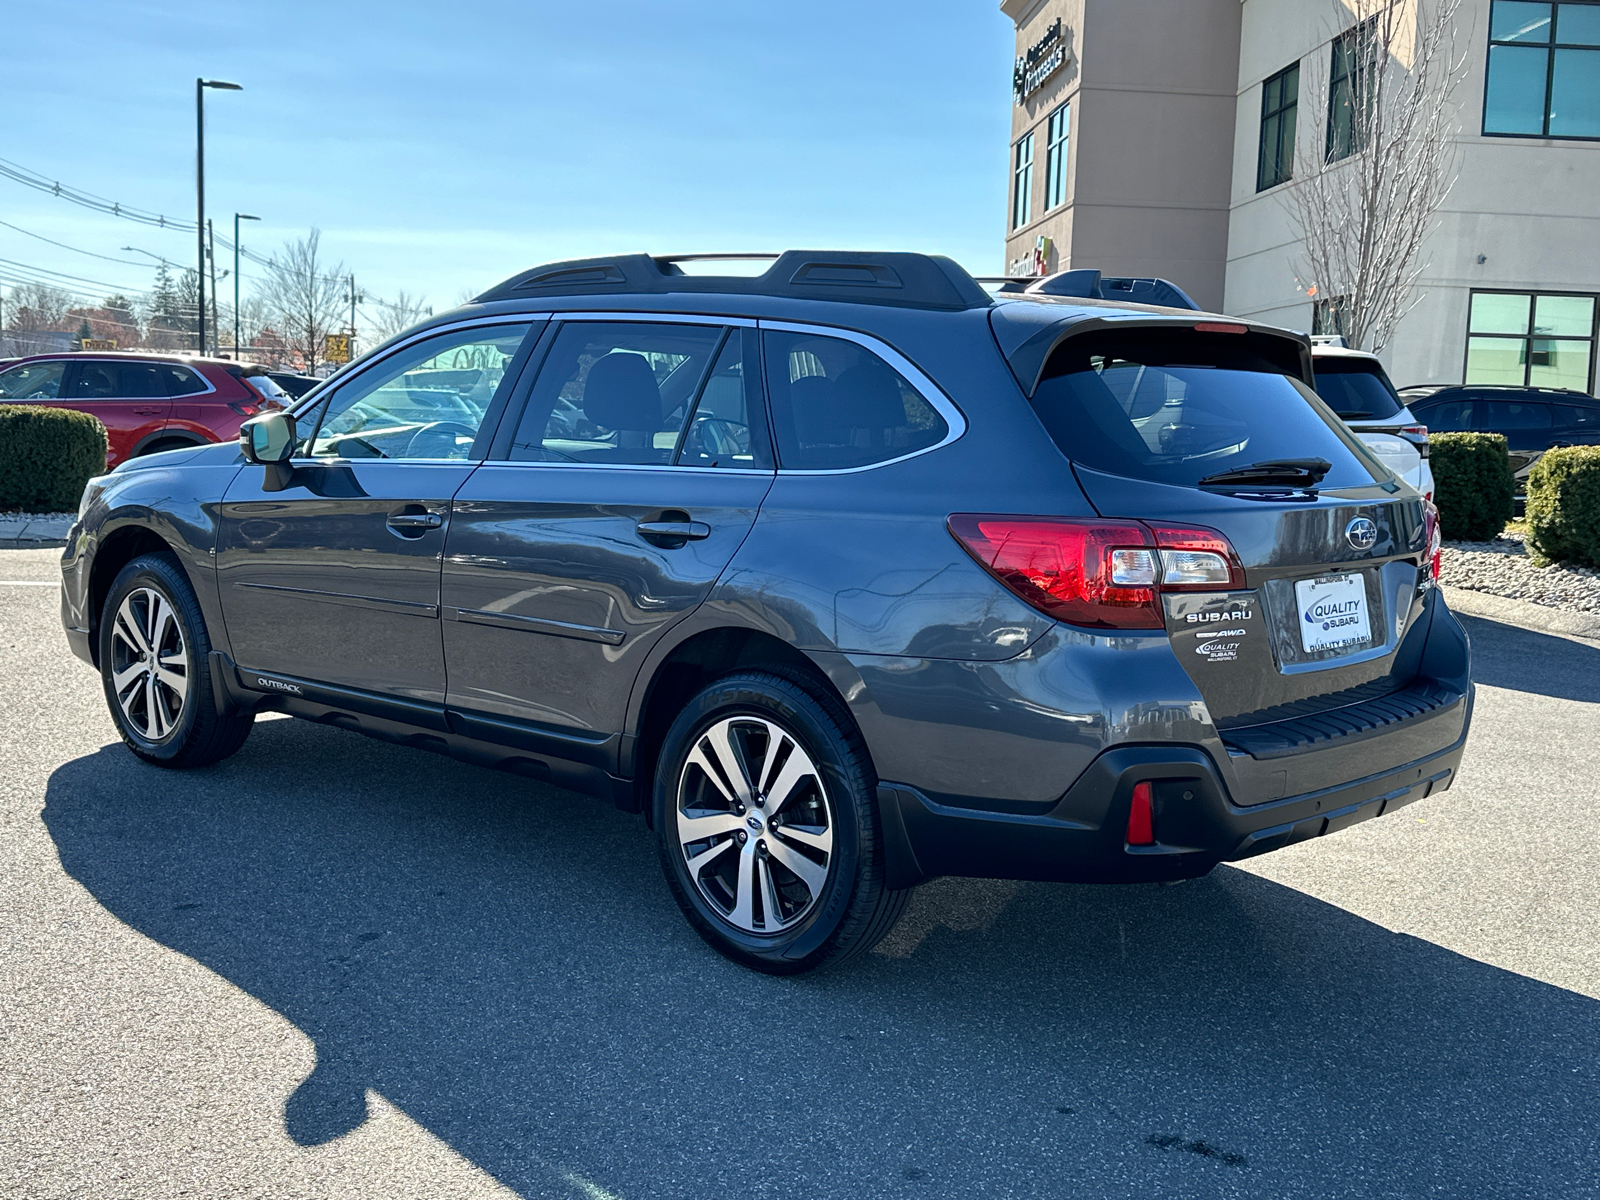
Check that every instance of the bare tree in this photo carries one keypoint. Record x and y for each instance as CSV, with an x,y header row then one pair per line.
x,y
304,299
390,317
34,307
1365,197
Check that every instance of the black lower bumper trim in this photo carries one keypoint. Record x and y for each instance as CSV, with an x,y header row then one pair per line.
x,y
1082,839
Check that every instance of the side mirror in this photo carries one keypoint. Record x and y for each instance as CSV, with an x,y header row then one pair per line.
x,y
269,438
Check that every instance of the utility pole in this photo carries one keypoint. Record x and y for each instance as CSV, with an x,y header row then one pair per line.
x,y
200,86
237,217
352,315
211,251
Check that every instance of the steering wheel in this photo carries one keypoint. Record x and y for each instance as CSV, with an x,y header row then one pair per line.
x,y
437,432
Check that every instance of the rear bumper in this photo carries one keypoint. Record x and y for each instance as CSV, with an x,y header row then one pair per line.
x,y
1197,824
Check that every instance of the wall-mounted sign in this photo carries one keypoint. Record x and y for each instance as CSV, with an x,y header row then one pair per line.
x,y
1042,60
1034,263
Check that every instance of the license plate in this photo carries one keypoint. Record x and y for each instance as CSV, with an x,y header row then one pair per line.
x,y
1333,612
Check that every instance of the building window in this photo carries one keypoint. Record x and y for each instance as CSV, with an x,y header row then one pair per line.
x,y
1331,316
1531,340
1055,157
1022,184
1280,96
1350,89
1544,70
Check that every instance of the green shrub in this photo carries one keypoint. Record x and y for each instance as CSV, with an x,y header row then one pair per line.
x,y
46,456
1473,486
1564,505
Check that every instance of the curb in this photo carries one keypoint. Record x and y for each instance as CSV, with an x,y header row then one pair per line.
x,y
34,533
1539,617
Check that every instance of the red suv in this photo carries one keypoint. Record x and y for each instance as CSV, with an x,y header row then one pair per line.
x,y
146,402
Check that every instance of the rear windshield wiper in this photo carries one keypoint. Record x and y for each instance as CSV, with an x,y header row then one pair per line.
x,y
1294,472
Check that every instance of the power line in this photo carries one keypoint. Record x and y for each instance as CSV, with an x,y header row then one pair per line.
x,y
116,287
43,183
127,262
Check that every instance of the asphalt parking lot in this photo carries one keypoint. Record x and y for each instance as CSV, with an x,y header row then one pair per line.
x,y
333,967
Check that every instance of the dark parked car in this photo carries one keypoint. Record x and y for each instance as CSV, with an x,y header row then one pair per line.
x,y
1533,419
846,576
147,403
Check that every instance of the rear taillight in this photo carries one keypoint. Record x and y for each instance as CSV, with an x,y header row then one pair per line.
x,y
1100,574
244,407
1430,526
1417,435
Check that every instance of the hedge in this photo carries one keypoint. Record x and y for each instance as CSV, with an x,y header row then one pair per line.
x,y
46,456
1473,486
1564,505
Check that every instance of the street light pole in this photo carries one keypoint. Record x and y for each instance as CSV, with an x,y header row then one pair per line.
x,y
200,86
237,217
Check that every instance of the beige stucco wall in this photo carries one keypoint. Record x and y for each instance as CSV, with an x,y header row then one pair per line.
x,y
1151,137
1531,207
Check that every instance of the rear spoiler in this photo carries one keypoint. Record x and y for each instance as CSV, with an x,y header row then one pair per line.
x,y
1029,334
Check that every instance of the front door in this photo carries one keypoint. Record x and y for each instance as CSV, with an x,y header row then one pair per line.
x,y
335,578
635,471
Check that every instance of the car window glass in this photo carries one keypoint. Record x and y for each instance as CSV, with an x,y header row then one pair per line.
x,y
138,381
94,381
1173,407
1577,417
32,381
426,401
181,381
836,404
614,392
1356,388
727,429
1504,414
1452,416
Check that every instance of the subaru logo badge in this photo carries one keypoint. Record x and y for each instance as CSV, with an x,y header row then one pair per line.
x,y
1361,533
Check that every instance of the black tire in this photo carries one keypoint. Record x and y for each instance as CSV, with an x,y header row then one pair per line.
x,y
188,732
850,909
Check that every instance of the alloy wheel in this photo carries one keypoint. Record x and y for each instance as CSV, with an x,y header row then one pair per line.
x,y
754,824
149,663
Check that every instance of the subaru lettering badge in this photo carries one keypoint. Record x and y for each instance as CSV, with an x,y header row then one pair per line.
x,y
1361,533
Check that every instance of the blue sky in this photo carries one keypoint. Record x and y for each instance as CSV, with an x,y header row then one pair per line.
x,y
441,147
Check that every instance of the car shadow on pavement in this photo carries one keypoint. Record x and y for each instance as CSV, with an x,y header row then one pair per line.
x,y
1523,660
503,962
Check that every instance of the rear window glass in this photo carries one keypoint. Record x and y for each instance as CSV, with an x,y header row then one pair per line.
x,y
1174,407
1356,388
836,405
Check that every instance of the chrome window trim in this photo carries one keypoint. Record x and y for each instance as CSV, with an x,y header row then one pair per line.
x,y
651,318
954,418
209,390
521,463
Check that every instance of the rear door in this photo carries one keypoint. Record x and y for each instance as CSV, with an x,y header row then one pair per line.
x,y
630,477
128,397
1156,420
334,579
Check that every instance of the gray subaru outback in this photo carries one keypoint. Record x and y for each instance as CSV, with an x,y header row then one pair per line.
x,y
845,576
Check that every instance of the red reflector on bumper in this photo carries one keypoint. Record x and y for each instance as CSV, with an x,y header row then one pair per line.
x,y
1140,830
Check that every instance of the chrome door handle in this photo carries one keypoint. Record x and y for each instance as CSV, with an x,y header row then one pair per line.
x,y
415,520
674,531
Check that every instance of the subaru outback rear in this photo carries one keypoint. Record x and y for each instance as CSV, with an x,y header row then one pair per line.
x,y
847,575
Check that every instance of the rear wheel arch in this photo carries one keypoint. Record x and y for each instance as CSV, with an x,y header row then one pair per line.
x,y
696,662
165,439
